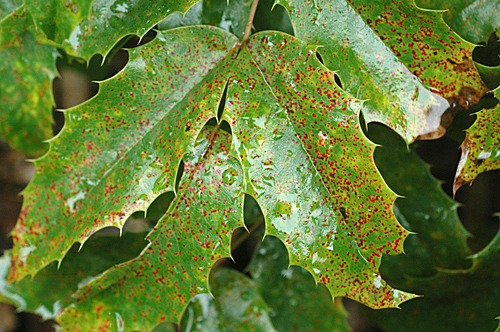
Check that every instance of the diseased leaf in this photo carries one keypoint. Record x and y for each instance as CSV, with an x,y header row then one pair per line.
x,y
27,70
481,147
194,233
295,141
78,267
121,150
289,290
406,62
473,20
58,18
109,22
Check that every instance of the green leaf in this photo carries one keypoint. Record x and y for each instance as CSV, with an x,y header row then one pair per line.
x,y
78,267
481,147
8,6
57,19
473,20
27,69
490,75
406,62
119,153
294,130
439,240
108,23
194,233
282,292
289,290
230,16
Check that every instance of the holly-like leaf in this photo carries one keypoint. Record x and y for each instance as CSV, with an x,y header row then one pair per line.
x,y
473,20
481,147
194,233
99,253
27,69
124,147
490,75
295,139
230,16
57,19
110,22
406,62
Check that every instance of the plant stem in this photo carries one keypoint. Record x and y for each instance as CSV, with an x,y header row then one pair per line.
x,y
248,28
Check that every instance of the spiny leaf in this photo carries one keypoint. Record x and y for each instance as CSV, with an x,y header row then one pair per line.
x,y
108,23
122,149
490,75
230,16
100,253
295,132
27,70
58,18
195,232
405,61
481,147
473,20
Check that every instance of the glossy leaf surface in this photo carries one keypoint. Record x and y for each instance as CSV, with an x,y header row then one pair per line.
x,y
333,212
186,242
473,20
119,154
68,13
282,292
27,69
481,147
230,16
404,61
109,22
78,267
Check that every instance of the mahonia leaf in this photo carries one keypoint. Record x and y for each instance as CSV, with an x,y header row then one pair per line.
x,y
194,233
27,69
481,147
123,148
108,23
230,16
473,20
296,134
58,18
101,252
406,62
